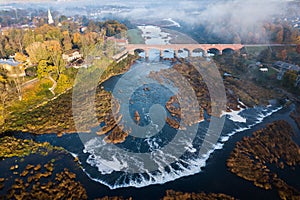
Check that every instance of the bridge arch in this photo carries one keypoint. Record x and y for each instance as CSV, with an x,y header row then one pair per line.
x,y
140,50
169,53
228,51
214,51
198,52
208,48
155,51
184,51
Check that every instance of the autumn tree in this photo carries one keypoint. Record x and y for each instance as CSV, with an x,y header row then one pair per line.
x,y
16,80
3,94
29,38
289,79
67,42
37,51
20,57
46,71
77,39
54,50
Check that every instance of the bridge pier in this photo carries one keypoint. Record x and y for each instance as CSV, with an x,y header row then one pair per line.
x,y
146,54
188,53
161,54
175,53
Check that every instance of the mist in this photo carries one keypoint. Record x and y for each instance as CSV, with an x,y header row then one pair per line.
x,y
228,19
241,18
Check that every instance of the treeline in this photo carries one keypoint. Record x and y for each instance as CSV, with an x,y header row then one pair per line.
x,y
272,32
42,48
68,34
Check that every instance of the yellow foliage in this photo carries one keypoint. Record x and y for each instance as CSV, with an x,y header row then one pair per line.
x,y
76,38
20,57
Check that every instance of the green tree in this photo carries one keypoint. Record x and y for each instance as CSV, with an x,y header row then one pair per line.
x,y
289,79
54,50
46,71
29,38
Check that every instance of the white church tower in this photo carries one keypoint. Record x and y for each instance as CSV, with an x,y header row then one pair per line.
x,y
50,19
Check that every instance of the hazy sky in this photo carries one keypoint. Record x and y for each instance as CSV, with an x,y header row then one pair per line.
x,y
240,15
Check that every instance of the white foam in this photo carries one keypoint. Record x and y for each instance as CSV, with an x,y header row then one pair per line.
x,y
185,167
234,116
154,35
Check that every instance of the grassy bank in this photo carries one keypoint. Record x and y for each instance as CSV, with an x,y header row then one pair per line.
x,y
55,114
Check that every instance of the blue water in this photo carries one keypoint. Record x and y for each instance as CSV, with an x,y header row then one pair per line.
x,y
149,155
119,169
214,176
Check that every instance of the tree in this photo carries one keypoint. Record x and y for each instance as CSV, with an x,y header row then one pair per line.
x,y
46,71
37,51
279,36
77,39
62,18
29,38
289,79
55,55
17,82
20,57
67,43
283,54
298,48
3,94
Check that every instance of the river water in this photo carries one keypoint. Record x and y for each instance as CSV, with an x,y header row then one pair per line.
x,y
109,169
208,172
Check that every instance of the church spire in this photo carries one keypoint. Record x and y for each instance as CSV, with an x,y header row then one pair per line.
x,y
50,19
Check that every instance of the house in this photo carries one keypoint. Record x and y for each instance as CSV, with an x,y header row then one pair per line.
x,y
263,69
5,31
82,29
14,68
283,67
72,55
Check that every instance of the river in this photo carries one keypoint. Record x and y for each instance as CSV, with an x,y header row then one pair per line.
x,y
117,170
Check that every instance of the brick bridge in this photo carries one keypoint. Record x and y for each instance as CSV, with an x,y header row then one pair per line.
x,y
205,48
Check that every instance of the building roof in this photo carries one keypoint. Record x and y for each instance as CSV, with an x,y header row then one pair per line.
x,y
71,51
287,66
117,40
11,62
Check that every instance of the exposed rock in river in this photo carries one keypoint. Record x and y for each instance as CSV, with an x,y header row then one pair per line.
x,y
137,117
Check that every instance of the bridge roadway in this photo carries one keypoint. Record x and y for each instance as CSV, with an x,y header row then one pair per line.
x,y
205,48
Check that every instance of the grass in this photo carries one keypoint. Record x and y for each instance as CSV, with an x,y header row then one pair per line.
x,y
255,50
135,36
32,95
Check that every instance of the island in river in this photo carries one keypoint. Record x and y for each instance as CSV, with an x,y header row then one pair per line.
x,y
56,117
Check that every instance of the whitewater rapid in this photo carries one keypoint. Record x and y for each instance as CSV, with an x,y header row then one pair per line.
x,y
112,166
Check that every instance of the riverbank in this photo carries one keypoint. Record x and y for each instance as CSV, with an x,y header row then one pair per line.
x,y
183,184
214,178
56,116
239,93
